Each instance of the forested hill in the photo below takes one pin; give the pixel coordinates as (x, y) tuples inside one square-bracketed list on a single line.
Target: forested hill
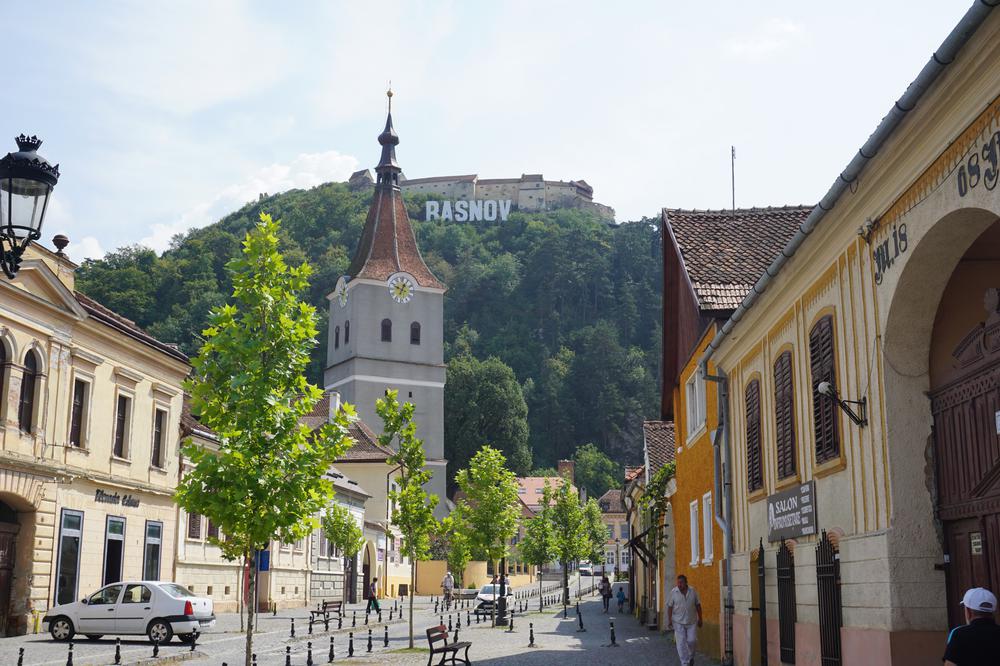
[(569, 303)]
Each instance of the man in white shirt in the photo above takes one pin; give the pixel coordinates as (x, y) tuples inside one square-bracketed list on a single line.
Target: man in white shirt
[(683, 615), (448, 584)]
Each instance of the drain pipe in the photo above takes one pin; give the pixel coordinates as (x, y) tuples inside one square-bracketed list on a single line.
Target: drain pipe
[(723, 506)]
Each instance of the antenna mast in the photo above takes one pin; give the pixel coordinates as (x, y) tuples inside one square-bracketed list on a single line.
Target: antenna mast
[(732, 170)]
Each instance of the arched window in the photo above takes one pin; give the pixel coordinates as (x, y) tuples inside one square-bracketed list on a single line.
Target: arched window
[(821, 365), (336, 337), (26, 408), (415, 333), (784, 415), (755, 467), (347, 332), (386, 330)]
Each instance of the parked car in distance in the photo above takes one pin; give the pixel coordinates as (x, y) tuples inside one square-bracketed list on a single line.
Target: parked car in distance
[(488, 595), (157, 609), (586, 571)]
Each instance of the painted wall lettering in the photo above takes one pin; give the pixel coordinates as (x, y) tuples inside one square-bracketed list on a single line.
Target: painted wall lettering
[(476, 210), (980, 167), (885, 253)]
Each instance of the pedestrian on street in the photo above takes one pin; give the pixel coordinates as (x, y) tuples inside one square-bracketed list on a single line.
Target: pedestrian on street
[(373, 597), (977, 642), (604, 587), (447, 585), (684, 616), (621, 598)]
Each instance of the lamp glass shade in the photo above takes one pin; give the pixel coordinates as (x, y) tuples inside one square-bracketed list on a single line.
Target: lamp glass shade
[(23, 202)]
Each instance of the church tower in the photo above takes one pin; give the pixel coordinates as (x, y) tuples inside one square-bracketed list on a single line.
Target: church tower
[(387, 319)]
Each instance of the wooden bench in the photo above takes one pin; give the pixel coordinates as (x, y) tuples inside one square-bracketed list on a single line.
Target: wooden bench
[(439, 634), (326, 609)]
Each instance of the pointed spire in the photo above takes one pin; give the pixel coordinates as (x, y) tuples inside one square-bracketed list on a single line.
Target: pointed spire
[(388, 170)]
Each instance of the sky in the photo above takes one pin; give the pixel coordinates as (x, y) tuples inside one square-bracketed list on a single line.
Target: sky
[(165, 116)]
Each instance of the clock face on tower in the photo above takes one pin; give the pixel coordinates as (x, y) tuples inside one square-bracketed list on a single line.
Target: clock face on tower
[(340, 293), (401, 287)]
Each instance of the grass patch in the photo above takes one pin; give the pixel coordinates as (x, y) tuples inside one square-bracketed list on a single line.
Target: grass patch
[(413, 650)]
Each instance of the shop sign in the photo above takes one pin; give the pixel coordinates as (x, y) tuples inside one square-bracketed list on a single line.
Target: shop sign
[(114, 498), (792, 513), (488, 210)]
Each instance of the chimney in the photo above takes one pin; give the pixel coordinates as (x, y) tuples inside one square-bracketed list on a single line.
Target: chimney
[(334, 404), (566, 469)]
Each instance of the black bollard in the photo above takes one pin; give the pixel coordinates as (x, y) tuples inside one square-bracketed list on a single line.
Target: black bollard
[(253, 659), (579, 618), (531, 634), (309, 654), (380, 616), (614, 643), (69, 655), (385, 637), (367, 614), (454, 638), (467, 622), (292, 634), (118, 650), (441, 620), (340, 621), (350, 644), (156, 648), (274, 609), (391, 612), (326, 622), (369, 640), (477, 616), (310, 624), (20, 656), (194, 640), (288, 655), (510, 627), (354, 618), (435, 607), (564, 611), (331, 657), (449, 622), (458, 621), (395, 605)]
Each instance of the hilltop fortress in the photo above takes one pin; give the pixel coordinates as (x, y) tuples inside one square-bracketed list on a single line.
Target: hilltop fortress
[(471, 198)]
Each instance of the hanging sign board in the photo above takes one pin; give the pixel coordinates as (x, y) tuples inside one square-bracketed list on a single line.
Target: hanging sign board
[(792, 513)]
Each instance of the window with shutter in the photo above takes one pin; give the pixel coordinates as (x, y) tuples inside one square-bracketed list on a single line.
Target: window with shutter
[(821, 364), (194, 526), (755, 471), (784, 415), (26, 405), (213, 530)]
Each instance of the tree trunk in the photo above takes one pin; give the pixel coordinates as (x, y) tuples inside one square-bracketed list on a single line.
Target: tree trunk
[(252, 597), (413, 588), (565, 583), (240, 599), (540, 607), (496, 600)]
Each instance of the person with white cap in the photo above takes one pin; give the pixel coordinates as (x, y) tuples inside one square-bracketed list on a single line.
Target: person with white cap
[(977, 642), (448, 584)]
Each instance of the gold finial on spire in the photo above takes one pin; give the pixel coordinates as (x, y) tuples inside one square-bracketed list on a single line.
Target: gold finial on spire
[(388, 93)]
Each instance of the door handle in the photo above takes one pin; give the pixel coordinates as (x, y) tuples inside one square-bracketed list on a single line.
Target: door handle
[(147, 608), (111, 610)]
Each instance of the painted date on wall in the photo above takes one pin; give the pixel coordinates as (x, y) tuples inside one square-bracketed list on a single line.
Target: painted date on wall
[(980, 167)]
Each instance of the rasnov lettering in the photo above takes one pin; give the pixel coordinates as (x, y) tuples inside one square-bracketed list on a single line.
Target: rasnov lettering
[(486, 210)]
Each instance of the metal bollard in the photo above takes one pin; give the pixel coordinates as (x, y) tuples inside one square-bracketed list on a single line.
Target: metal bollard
[(156, 648), (310, 625), (288, 655), (435, 607), (467, 622), (510, 627), (354, 618), (458, 621), (367, 615), (309, 654), (369, 640), (579, 618), (441, 620), (391, 612), (614, 643), (531, 634), (194, 640), (274, 609), (340, 621), (564, 611), (332, 655), (118, 650), (292, 634), (20, 656), (350, 644), (326, 622), (380, 616), (454, 638), (253, 659), (477, 616), (385, 637)]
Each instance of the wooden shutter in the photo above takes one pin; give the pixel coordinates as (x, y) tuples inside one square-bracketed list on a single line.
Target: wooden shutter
[(76, 416), (755, 472), (821, 363), (784, 415), (26, 406), (194, 526)]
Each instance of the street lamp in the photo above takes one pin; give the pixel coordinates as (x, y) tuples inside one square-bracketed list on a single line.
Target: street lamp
[(618, 554), (26, 182)]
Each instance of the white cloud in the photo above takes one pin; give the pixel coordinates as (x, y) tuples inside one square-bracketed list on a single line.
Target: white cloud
[(770, 37), (87, 247), (305, 171)]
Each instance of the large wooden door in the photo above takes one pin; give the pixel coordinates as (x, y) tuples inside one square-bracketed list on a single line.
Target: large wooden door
[(8, 549), (966, 409)]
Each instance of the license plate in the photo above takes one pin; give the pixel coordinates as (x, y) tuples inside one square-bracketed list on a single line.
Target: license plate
[(207, 623)]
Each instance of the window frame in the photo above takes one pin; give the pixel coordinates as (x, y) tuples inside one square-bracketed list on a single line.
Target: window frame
[(59, 554), (336, 337), (23, 395), (347, 331), (161, 464), (695, 413), (707, 545), (192, 520), (785, 438), (126, 455), (753, 437), (84, 431), (415, 331), (694, 520), (108, 537), (146, 543), (828, 449), (386, 333)]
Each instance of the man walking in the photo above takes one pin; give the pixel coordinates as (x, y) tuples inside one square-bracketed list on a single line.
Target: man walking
[(683, 616), (977, 642), (373, 597), (447, 585)]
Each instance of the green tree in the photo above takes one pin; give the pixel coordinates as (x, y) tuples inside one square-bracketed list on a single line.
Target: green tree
[(413, 512), (594, 471), (570, 531), (594, 530), (484, 405), (267, 480), (538, 547), (343, 531), (491, 505), (453, 538)]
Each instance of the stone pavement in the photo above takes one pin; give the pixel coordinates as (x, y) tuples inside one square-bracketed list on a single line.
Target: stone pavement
[(555, 639)]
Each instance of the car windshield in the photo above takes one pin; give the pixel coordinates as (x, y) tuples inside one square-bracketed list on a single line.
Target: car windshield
[(176, 591), (490, 589)]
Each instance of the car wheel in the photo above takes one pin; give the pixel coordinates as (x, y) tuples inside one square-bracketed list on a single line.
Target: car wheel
[(61, 629), (95, 637), (160, 631)]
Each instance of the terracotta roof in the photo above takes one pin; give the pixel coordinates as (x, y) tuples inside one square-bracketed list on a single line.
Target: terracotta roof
[(633, 473), (659, 442), (611, 501), (190, 425), (114, 320), (387, 242), (366, 447), (530, 488), (342, 482), (725, 252)]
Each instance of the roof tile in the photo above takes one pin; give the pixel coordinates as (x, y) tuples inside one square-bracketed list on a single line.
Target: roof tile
[(659, 437)]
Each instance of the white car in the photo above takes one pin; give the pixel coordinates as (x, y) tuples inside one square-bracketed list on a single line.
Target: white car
[(488, 595), (154, 608)]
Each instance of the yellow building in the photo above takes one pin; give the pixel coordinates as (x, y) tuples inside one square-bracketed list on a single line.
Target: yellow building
[(616, 551), (88, 443), (863, 379)]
